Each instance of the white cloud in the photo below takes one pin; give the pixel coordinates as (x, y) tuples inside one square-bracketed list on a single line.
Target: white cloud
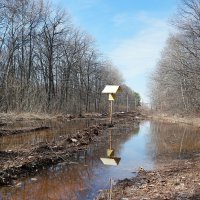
[(121, 19), (139, 53), (137, 56)]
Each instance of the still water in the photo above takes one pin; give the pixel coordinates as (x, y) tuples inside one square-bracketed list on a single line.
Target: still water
[(142, 146), (58, 128)]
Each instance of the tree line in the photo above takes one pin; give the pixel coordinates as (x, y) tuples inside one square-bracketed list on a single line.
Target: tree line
[(47, 64), (175, 83)]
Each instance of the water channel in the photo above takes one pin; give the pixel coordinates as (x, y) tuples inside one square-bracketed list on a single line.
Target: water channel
[(144, 145)]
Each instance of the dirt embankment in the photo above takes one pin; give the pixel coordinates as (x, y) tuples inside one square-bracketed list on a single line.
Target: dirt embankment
[(29, 160), (30, 122), (8, 131), (178, 180)]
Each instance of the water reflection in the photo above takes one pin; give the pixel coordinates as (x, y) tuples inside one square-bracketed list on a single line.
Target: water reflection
[(110, 158), (172, 140), (57, 129), (142, 146)]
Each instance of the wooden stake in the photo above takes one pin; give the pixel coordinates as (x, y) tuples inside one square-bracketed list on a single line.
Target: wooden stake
[(127, 106), (110, 192), (111, 110), (110, 139)]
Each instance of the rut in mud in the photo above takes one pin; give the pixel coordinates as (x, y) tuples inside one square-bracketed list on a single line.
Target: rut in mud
[(7, 131)]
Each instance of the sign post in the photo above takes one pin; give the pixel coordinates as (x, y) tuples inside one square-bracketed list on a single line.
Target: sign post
[(111, 90), (111, 110)]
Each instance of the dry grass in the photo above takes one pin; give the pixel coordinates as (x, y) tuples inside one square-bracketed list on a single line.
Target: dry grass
[(10, 117), (177, 119)]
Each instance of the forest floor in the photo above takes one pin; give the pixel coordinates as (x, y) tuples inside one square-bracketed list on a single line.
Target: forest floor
[(28, 159)]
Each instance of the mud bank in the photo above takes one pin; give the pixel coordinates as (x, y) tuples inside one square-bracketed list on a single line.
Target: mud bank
[(31, 159), (178, 180), (7, 131)]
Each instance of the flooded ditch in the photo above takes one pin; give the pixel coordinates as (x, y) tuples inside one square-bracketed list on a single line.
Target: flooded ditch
[(145, 144), (56, 130)]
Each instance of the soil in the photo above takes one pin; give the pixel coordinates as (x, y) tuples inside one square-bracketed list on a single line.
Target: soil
[(30, 160), (180, 179)]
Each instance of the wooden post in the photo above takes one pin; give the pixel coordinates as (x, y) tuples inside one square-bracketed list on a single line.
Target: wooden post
[(111, 110), (135, 103), (85, 155), (110, 192), (110, 139), (127, 103)]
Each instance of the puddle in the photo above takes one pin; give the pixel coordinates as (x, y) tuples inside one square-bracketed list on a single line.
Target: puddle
[(144, 146), (56, 130)]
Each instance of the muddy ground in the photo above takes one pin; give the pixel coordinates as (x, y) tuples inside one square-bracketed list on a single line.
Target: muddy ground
[(31, 159), (13, 131), (179, 179)]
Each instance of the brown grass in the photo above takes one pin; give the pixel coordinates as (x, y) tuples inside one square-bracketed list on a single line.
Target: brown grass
[(11, 116), (194, 121)]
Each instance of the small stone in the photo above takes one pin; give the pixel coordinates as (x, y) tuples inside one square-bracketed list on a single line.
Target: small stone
[(19, 184), (74, 140), (151, 185), (33, 179)]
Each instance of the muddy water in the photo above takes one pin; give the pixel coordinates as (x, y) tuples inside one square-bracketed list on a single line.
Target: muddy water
[(145, 145), (56, 130)]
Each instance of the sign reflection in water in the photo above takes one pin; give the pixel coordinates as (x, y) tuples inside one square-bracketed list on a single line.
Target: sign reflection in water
[(111, 159)]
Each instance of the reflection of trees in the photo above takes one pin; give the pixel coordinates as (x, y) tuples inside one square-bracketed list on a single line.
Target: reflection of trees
[(58, 129), (74, 181), (119, 136), (173, 140), (58, 183)]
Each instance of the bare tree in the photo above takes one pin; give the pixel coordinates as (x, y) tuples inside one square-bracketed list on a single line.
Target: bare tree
[(48, 65)]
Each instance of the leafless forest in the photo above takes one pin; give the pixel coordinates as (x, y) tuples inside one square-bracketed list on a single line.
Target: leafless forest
[(49, 65), (175, 84)]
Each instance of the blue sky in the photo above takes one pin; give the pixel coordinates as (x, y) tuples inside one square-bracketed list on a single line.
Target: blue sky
[(131, 33)]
